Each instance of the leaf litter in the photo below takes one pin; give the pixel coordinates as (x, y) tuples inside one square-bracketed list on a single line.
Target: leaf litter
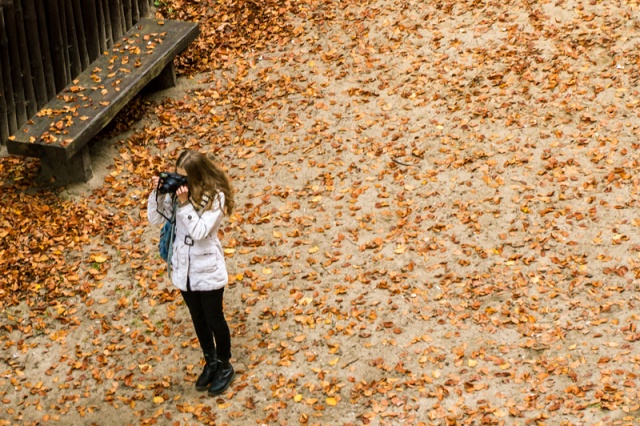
[(437, 210)]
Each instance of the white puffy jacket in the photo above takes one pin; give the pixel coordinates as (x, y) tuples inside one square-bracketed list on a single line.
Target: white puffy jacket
[(197, 252)]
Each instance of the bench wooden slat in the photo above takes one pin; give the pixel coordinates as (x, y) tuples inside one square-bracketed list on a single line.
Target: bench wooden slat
[(91, 101)]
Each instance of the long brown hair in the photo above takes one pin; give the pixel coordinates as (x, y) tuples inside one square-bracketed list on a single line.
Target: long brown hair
[(205, 178)]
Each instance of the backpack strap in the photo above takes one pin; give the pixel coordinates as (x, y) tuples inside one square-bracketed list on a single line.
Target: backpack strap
[(172, 235)]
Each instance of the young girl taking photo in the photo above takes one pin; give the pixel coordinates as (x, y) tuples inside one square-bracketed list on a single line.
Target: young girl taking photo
[(197, 263)]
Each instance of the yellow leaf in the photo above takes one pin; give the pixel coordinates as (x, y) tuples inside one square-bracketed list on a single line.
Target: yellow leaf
[(158, 399), (316, 199), (229, 250), (314, 249), (435, 374), (297, 398), (57, 335), (472, 363), (99, 259), (277, 234), (400, 249), (145, 368), (332, 401), (334, 361), (267, 271)]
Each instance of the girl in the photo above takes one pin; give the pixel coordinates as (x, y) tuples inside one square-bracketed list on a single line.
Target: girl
[(198, 267)]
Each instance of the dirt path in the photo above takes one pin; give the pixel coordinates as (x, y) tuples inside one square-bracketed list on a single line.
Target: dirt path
[(437, 222)]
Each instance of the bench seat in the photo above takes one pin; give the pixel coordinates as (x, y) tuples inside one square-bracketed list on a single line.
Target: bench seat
[(60, 132)]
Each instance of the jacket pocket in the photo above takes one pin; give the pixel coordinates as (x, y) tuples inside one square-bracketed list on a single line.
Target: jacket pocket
[(204, 262)]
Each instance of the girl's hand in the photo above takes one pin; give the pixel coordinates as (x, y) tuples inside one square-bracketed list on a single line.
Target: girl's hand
[(154, 182), (183, 194)]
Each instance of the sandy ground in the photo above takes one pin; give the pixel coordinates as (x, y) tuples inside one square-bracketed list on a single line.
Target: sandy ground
[(437, 224)]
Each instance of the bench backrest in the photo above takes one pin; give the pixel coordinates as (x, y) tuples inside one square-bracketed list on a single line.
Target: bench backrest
[(44, 45)]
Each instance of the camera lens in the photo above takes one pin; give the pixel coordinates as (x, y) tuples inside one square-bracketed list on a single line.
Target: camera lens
[(170, 182)]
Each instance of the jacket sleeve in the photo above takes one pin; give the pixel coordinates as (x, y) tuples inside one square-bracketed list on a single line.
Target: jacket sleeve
[(153, 215), (200, 227)]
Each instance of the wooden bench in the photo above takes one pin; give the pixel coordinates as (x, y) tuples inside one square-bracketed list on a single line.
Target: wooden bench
[(60, 132)]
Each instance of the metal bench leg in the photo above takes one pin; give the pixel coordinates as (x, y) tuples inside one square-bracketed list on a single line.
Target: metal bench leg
[(77, 169)]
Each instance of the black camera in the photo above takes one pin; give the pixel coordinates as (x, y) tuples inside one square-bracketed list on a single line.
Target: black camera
[(170, 182)]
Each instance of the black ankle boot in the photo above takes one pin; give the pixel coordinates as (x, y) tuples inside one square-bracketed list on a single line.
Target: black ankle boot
[(223, 377), (208, 373)]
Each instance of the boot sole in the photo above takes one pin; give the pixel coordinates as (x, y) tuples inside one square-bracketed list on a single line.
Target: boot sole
[(221, 391)]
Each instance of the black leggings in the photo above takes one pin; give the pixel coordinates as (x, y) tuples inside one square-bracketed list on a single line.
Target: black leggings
[(205, 308)]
